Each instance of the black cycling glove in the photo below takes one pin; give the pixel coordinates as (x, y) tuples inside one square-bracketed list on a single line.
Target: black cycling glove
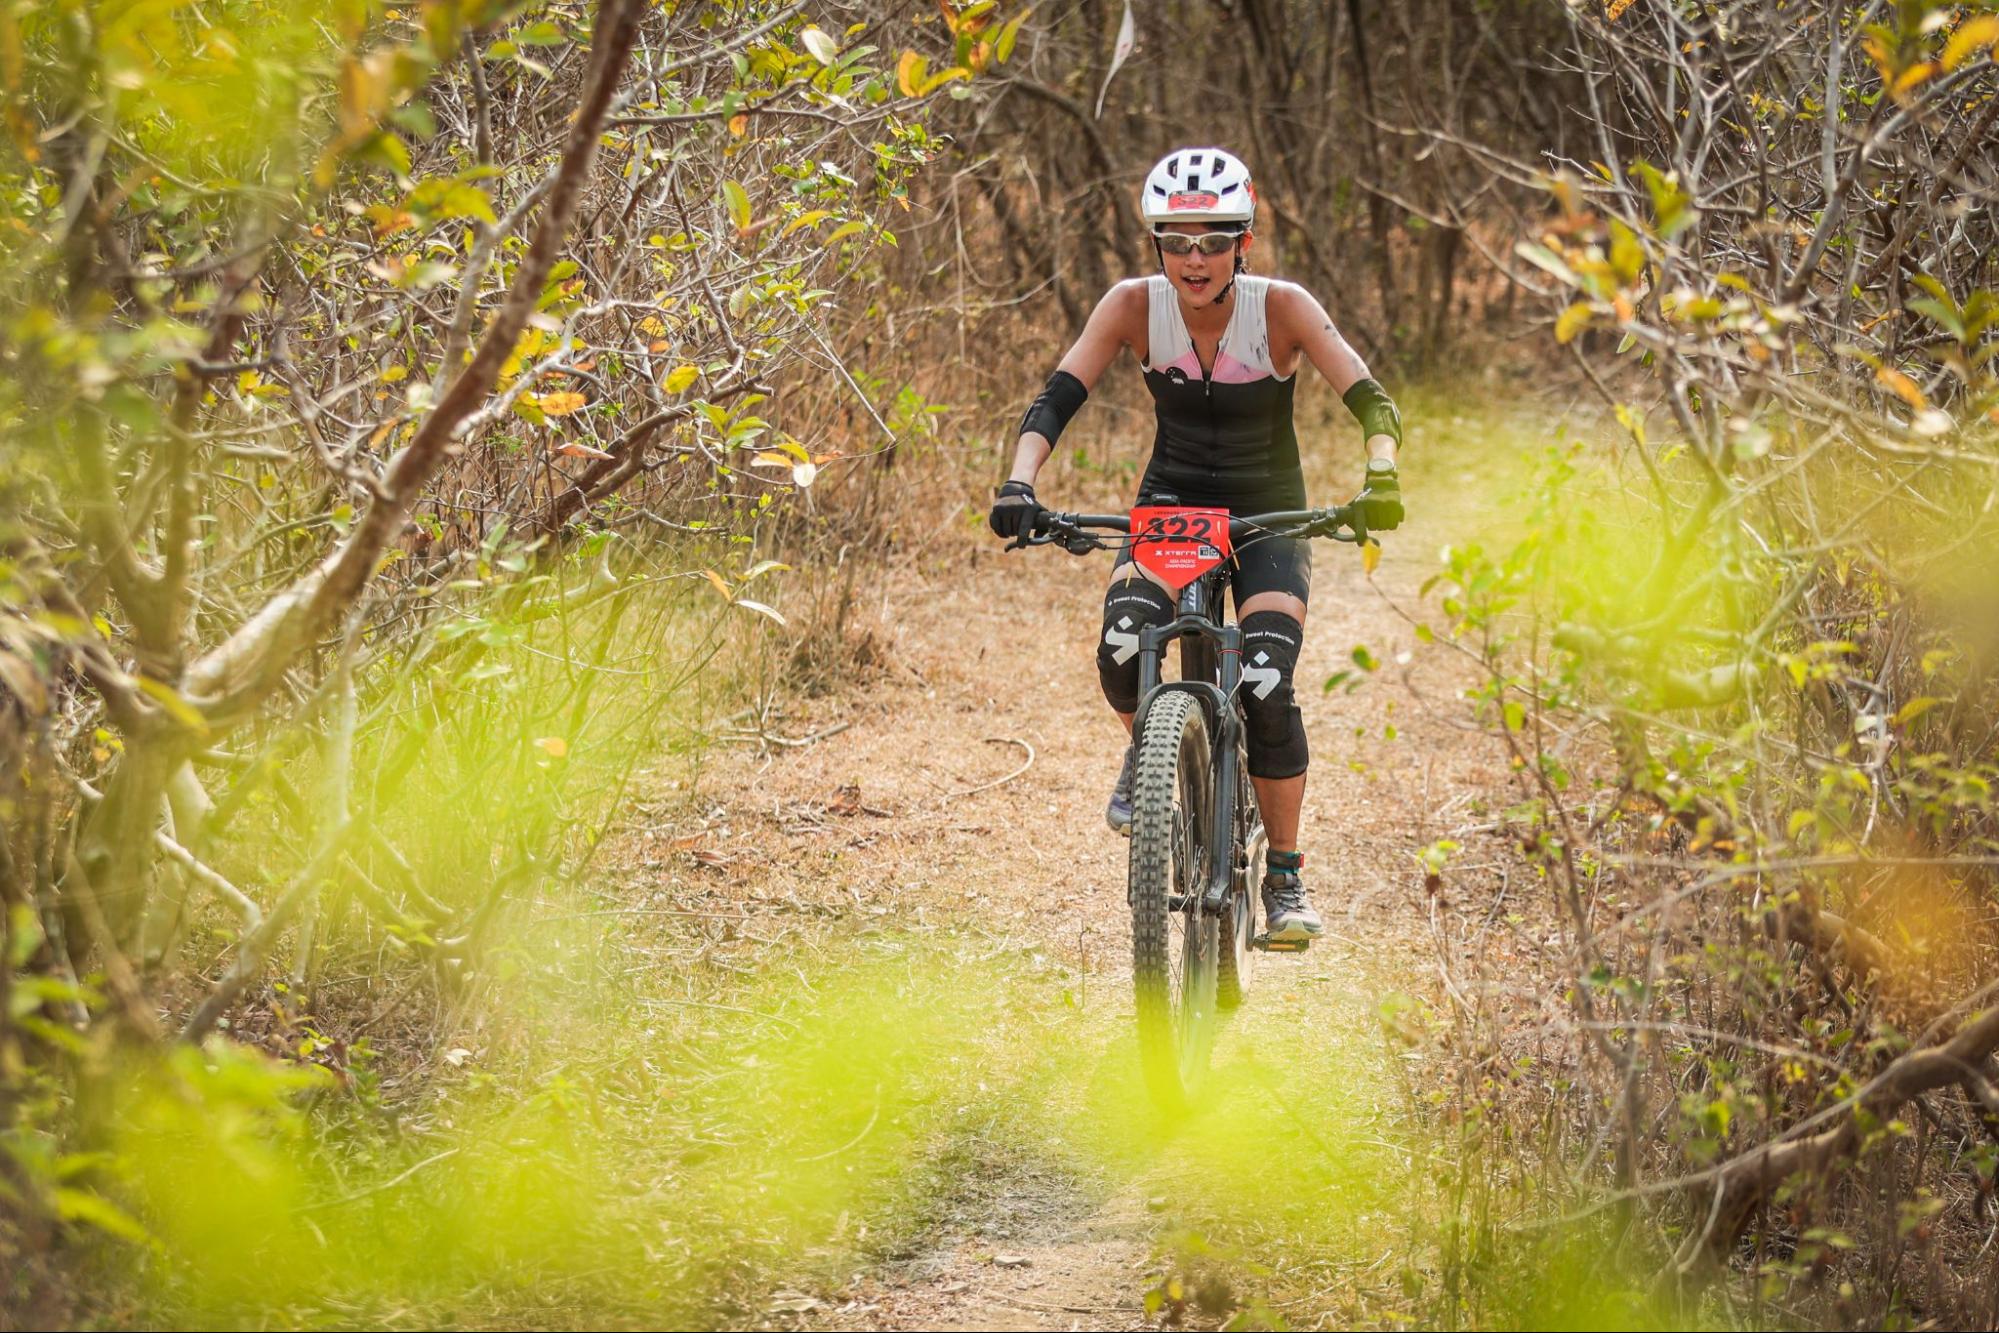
[(1015, 511), (1381, 500)]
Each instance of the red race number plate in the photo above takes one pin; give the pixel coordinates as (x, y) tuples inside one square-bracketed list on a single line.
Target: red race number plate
[(1177, 546)]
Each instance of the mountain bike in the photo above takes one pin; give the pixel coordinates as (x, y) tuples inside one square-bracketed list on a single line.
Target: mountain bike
[(1197, 840)]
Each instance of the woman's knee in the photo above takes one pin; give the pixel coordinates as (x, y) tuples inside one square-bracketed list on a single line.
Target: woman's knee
[(1283, 603), (1130, 604), (1274, 728)]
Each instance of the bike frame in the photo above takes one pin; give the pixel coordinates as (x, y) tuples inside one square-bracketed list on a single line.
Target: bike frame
[(1211, 658)]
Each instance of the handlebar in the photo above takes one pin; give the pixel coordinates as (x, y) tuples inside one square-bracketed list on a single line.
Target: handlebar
[(1079, 533)]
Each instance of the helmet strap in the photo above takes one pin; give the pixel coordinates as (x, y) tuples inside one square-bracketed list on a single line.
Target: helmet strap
[(1230, 287)]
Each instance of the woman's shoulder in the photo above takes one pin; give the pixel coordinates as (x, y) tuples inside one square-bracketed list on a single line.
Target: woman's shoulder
[(1128, 300), (1285, 302), (1133, 291), (1278, 292)]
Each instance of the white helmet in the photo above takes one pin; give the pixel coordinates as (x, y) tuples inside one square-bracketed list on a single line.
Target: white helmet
[(1199, 185)]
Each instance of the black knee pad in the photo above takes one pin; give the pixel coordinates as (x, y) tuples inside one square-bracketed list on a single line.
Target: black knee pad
[(1130, 604), (1276, 730)]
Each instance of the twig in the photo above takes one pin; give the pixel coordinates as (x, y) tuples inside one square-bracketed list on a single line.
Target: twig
[(725, 1008), (388, 1184), (1000, 781), (866, 1129), (252, 914)]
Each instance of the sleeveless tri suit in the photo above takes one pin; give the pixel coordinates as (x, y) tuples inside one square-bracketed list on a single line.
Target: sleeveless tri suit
[(1225, 437)]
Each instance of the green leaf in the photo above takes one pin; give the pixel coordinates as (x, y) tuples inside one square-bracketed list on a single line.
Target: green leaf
[(1541, 257), (1945, 316), (935, 82), (1915, 708), (1515, 715), (1572, 321), (1670, 204), (737, 202), (177, 708), (387, 150), (444, 198), (1008, 35), (74, 1205), (25, 936)]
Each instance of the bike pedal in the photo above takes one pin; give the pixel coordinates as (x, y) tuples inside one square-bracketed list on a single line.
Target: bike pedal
[(1268, 945)]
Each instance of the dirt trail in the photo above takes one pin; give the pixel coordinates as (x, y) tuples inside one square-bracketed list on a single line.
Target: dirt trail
[(898, 813)]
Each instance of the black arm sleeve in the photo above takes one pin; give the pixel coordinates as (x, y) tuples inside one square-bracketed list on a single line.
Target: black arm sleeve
[(1374, 409), (1058, 401)]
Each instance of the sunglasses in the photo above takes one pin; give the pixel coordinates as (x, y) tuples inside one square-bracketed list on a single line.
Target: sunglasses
[(1208, 242)]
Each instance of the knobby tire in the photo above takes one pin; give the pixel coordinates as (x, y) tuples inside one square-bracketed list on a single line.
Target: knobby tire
[(1173, 952)]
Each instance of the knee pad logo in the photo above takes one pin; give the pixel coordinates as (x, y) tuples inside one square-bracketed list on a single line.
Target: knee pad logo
[(1122, 639), (1262, 675)]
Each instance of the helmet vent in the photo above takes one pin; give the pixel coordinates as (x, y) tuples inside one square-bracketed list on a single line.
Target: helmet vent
[(1199, 185)]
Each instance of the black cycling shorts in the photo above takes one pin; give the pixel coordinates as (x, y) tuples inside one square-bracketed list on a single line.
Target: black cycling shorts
[(1259, 564)]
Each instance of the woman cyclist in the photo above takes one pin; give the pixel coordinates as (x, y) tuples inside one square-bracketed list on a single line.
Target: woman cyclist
[(1220, 352)]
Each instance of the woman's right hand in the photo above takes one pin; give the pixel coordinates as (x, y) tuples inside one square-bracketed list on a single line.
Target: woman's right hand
[(1014, 511)]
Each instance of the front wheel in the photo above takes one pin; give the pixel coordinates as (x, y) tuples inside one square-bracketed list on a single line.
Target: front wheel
[(1174, 944)]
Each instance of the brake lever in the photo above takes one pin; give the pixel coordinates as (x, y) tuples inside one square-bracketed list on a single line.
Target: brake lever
[(1036, 535)]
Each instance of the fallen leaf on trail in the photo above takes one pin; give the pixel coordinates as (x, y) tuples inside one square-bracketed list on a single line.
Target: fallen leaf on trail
[(1011, 1260), (1904, 388), (457, 1056), (847, 801)]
